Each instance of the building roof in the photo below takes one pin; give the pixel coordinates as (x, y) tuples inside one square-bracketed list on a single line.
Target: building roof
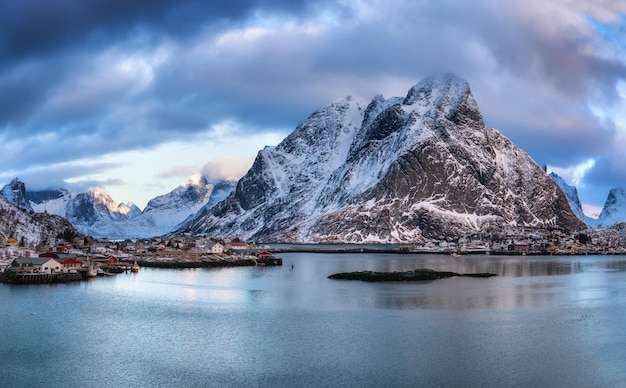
[(33, 260), (59, 255)]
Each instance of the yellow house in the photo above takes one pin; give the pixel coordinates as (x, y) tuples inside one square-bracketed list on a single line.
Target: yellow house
[(12, 242)]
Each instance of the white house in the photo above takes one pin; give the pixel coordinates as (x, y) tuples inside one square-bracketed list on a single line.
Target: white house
[(216, 248), (238, 246), (36, 264), (99, 248)]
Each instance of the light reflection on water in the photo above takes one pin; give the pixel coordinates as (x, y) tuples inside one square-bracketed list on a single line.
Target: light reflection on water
[(543, 321), (521, 281)]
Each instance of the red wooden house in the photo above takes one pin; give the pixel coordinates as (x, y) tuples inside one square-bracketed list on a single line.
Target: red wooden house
[(113, 260), (66, 260), (264, 255)]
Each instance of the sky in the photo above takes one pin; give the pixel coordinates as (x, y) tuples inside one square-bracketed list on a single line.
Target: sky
[(136, 96)]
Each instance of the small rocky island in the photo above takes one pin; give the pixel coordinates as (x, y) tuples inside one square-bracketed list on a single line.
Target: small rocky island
[(421, 274)]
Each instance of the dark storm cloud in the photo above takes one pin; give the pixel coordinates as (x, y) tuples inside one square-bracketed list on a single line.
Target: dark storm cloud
[(45, 41), (59, 81), (31, 28), (53, 177), (22, 91)]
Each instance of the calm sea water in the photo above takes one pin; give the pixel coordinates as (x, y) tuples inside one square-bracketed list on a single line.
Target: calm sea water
[(545, 321)]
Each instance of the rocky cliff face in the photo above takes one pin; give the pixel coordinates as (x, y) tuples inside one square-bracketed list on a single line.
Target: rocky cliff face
[(31, 229), (15, 192), (397, 170), (571, 193)]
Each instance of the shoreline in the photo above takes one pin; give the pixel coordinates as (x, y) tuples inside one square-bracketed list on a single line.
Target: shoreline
[(390, 249), (205, 261), (202, 263)]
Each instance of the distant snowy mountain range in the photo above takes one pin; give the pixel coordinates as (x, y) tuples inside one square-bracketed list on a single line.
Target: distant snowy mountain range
[(95, 213)]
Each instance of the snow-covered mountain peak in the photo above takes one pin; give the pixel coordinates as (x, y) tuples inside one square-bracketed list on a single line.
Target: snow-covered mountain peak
[(15, 193), (129, 209), (95, 213), (102, 198), (443, 91), (614, 210), (194, 180), (616, 195), (402, 169), (329, 130), (193, 190), (329, 122), (440, 107), (98, 192), (53, 201)]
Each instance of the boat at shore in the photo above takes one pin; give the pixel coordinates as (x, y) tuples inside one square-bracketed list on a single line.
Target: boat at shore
[(135, 267)]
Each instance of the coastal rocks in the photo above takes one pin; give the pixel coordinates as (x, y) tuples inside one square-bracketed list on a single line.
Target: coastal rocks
[(421, 274)]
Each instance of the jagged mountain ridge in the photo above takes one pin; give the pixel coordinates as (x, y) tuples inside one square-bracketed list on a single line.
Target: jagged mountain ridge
[(165, 212), (614, 209), (95, 213), (613, 212), (398, 170), (86, 209)]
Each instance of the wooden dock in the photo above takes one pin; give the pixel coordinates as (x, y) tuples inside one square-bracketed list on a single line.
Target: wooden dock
[(39, 278)]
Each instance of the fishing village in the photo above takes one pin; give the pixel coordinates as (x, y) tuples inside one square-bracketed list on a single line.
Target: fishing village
[(67, 263), (85, 258)]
